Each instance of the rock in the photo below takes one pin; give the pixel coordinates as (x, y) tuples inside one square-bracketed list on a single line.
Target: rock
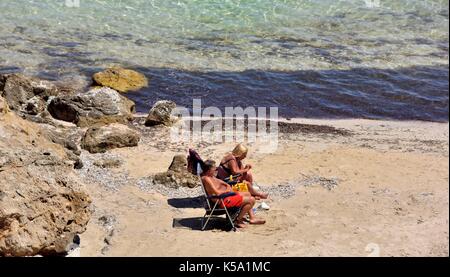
[(74, 249), (108, 162), (68, 137), (19, 89), (4, 109), (2, 83), (177, 175), (179, 163), (34, 106), (161, 114), (98, 106), (44, 88), (42, 204), (121, 79), (101, 139), (78, 164)]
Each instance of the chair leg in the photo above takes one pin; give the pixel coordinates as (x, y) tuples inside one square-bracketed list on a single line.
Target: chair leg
[(230, 219), (210, 215), (203, 221)]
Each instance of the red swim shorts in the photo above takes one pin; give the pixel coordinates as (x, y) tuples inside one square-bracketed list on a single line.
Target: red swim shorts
[(232, 201)]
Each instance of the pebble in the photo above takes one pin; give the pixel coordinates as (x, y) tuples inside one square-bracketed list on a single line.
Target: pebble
[(104, 176), (113, 181)]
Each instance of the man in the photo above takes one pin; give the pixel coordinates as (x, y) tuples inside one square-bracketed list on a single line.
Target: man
[(215, 186)]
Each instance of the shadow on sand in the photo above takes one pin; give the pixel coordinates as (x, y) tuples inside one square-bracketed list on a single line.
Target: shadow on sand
[(187, 203), (195, 223)]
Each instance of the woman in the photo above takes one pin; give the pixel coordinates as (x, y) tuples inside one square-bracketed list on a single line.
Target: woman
[(232, 164)]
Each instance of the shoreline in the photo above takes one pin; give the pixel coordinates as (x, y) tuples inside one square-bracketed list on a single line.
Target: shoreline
[(316, 121)]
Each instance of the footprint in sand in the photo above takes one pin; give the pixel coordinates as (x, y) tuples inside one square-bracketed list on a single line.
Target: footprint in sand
[(289, 244), (276, 221)]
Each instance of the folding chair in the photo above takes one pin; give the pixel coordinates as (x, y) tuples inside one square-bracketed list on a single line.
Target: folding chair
[(212, 209)]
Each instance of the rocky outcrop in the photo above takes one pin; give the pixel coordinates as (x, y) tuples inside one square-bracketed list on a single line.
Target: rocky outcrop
[(177, 175), (161, 114), (101, 139), (98, 106), (25, 94), (3, 106), (121, 79), (68, 137), (179, 164), (42, 204), (35, 106), (2, 82)]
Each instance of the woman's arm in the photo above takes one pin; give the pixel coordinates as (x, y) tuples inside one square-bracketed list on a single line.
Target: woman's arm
[(235, 169)]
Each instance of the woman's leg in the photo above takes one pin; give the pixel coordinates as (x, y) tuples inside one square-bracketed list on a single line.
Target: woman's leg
[(254, 220), (249, 178)]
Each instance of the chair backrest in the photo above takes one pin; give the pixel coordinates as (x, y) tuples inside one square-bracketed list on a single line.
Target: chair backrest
[(195, 162)]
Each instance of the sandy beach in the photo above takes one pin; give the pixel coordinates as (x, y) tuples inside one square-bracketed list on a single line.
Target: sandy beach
[(380, 191)]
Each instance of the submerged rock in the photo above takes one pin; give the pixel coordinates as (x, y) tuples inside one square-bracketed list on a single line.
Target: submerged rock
[(177, 175), (161, 114), (98, 106), (121, 79), (42, 204), (101, 139)]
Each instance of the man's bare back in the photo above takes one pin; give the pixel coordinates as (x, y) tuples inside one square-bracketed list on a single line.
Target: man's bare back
[(215, 186)]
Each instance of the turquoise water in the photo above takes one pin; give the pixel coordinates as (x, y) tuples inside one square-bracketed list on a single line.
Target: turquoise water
[(323, 58)]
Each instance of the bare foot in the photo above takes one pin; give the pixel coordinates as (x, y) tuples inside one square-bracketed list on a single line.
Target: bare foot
[(257, 221), (263, 195), (240, 224)]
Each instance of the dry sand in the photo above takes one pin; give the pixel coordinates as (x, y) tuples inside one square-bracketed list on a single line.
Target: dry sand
[(391, 198)]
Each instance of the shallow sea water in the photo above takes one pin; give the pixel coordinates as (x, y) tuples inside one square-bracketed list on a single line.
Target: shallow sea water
[(321, 59)]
